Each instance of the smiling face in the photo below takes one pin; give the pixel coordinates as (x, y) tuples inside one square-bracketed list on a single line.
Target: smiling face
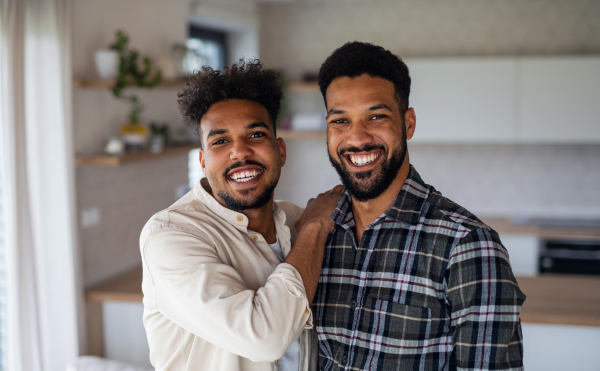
[(241, 157), (366, 134)]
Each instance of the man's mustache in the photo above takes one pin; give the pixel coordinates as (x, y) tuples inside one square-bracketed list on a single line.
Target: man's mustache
[(364, 148), (245, 163)]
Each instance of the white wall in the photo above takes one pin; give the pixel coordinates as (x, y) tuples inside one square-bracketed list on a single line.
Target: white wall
[(297, 36), (487, 179), (153, 26)]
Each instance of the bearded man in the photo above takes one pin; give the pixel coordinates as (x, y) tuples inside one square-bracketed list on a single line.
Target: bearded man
[(410, 280), (222, 290)]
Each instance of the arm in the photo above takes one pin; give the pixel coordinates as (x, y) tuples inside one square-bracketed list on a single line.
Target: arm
[(194, 289), (486, 302), (313, 227)]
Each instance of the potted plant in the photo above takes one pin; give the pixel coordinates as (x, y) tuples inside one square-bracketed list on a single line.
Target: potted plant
[(134, 132)]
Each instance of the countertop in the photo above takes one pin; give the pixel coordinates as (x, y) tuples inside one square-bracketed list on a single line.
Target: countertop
[(551, 298), (506, 226)]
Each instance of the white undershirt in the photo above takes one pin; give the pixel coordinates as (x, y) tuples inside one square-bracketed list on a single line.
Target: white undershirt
[(291, 359)]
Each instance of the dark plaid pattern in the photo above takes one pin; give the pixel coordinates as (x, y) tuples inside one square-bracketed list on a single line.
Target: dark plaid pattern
[(429, 287)]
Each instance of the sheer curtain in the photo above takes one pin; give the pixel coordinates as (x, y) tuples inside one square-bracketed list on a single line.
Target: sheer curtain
[(42, 296)]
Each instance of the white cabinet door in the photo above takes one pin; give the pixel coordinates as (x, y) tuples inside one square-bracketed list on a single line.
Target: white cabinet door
[(560, 100), (464, 100), (560, 348), (523, 253)]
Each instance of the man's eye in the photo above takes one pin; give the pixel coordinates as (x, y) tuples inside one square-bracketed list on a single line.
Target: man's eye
[(220, 141), (257, 135), (377, 117), (338, 121)]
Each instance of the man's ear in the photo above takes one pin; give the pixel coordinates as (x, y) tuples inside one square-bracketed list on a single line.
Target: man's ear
[(410, 122), (201, 158), (282, 151)]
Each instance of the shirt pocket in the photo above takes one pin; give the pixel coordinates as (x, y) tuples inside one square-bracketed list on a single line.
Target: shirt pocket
[(396, 329)]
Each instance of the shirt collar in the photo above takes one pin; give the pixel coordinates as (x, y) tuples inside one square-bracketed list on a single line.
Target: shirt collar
[(235, 218), (406, 207)]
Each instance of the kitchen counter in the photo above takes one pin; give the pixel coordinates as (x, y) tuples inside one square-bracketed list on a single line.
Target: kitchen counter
[(506, 226), (551, 299)]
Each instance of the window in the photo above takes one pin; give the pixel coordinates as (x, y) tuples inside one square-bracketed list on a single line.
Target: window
[(205, 48)]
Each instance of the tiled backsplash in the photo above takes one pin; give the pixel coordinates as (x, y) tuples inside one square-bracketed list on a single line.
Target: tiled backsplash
[(126, 197), (489, 180)]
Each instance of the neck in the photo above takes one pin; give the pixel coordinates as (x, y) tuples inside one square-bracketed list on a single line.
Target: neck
[(259, 220), (366, 212)]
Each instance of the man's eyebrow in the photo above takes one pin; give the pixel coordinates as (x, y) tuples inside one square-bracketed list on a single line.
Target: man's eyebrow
[(259, 124), (379, 106), (216, 132), (334, 111)]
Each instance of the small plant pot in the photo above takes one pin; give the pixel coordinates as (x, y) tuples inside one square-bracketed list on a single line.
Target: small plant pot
[(107, 64)]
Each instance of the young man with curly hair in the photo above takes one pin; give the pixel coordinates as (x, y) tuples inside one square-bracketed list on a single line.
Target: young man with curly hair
[(223, 287), (410, 280)]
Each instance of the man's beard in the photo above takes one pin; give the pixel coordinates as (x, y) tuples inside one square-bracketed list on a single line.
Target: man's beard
[(375, 183), (254, 202)]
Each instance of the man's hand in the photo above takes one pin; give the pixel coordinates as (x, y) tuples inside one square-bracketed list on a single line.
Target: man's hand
[(318, 210)]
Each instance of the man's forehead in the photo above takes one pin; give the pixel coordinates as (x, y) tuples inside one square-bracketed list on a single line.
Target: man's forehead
[(366, 89), (233, 115)]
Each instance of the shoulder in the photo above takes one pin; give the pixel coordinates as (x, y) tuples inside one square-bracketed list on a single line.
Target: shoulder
[(449, 212), (186, 216), (292, 211)]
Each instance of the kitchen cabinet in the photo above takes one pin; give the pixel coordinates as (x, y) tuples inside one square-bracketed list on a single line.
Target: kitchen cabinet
[(464, 100), (559, 100), (501, 100), (523, 252)]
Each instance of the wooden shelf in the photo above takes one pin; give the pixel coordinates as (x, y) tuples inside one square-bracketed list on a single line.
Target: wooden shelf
[(127, 287), (296, 134), (115, 161), (303, 86), (107, 84)]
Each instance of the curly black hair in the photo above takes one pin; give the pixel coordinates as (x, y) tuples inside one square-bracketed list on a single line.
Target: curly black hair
[(358, 58), (243, 80)]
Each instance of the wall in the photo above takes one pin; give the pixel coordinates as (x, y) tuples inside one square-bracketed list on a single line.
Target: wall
[(126, 197), (298, 36), (153, 26), (543, 180), (488, 180)]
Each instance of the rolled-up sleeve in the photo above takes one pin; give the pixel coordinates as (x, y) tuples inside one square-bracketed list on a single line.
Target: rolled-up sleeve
[(197, 291), (486, 302)]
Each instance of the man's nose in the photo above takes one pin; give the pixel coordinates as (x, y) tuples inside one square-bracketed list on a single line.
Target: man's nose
[(358, 134), (240, 151)]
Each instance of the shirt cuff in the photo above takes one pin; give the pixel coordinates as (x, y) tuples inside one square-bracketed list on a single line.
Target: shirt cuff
[(294, 285)]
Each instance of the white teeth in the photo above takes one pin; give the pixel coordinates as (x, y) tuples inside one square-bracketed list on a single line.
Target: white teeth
[(360, 160), (244, 175)]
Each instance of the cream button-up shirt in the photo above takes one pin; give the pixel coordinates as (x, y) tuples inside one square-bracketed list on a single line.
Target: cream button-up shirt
[(215, 295)]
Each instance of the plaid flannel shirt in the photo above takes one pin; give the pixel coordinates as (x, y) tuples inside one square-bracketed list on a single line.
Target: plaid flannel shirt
[(429, 287)]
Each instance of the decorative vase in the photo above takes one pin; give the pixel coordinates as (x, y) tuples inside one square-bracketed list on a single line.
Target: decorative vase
[(107, 64)]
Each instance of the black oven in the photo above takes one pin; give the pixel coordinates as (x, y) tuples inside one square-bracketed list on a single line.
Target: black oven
[(570, 257)]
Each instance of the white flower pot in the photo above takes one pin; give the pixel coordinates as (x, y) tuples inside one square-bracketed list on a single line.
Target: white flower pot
[(107, 64)]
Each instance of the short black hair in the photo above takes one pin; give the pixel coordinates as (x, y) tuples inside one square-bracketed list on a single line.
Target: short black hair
[(243, 80), (356, 58)]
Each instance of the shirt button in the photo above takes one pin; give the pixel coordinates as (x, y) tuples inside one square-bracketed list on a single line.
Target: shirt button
[(344, 359), (239, 218), (353, 304), (254, 238), (306, 311)]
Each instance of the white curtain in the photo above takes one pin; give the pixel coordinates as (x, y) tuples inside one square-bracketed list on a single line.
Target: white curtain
[(38, 185)]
